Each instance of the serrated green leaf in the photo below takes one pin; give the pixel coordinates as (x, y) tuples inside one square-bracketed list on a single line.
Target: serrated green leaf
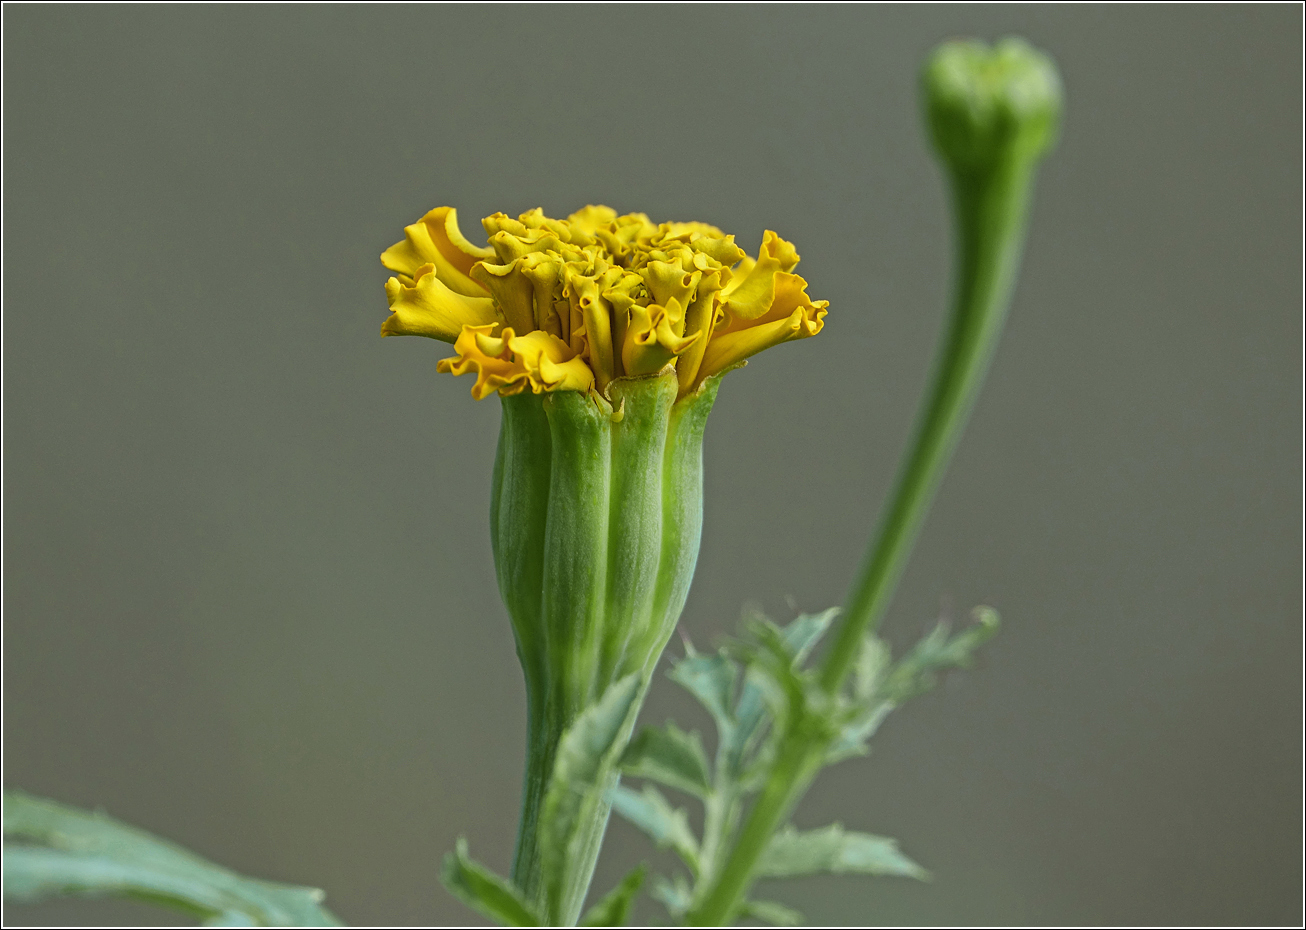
[(671, 756), (613, 909), (833, 849), (667, 826), (582, 773), (711, 679), (674, 895), (483, 891), (773, 912), (62, 850), (915, 672), (803, 632), (851, 742)]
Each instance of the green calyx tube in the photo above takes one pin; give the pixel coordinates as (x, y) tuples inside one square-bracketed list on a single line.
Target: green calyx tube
[(595, 521)]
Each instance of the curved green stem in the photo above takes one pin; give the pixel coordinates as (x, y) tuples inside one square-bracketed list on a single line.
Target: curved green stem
[(992, 169), (990, 217)]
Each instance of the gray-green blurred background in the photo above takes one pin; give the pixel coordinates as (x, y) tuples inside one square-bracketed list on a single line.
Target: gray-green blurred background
[(248, 593)]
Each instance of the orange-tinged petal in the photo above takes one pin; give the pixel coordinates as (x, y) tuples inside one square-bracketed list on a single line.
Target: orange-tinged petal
[(453, 245), (489, 358), (550, 364), (727, 351), (420, 248)]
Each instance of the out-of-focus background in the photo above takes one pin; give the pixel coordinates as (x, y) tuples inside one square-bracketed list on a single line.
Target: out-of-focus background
[(248, 595)]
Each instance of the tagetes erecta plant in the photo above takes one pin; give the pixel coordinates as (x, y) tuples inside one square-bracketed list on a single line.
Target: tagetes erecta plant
[(605, 337), (571, 305)]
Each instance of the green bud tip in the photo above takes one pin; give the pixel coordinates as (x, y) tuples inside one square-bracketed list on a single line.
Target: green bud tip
[(990, 103)]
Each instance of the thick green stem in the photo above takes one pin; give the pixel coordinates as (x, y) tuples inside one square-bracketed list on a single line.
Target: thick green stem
[(990, 212), (595, 523)]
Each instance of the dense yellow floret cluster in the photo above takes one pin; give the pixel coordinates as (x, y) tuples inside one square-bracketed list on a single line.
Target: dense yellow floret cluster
[(569, 305)]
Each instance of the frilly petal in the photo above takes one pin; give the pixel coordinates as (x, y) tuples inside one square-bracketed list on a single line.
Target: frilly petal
[(512, 291), (596, 296), (701, 317), (653, 338), (436, 240), (752, 291), (726, 351), (489, 358), (550, 364), (431, 308)]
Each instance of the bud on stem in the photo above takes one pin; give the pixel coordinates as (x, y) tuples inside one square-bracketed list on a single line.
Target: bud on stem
[(993, 114)]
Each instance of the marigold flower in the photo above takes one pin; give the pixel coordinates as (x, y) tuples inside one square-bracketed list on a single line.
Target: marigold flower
[(606, 338), (570, 305)]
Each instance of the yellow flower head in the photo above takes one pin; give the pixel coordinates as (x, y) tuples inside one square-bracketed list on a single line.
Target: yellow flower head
[(569, 305)]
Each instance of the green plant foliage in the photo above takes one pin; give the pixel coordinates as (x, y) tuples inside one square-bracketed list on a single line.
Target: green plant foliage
[(52, 850), (773, 912), (583, 775), (579, 791), (760, 692), (671, 756), (483, 891), (667, 826), (613, 909), (792, 854)]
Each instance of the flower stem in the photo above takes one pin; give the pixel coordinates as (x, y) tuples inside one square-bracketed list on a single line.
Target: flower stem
[(992, 172), (990, 216)]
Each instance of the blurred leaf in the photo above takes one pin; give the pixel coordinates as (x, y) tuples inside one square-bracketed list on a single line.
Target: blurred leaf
[(803, 632), (772, 912), (586, 756), (674, 895), (483, 891), (62, 850), (833, 849), (671, 756), (667, 826), (916, 671), (711, 679), (613, 909), (851, 741)]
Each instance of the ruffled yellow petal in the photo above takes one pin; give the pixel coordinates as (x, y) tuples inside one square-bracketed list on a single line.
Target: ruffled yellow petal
[(489, 358), (721, 250), (752, 293), (436, 240), (585, 293), (550, 364), (430, 308), (594, 297), (442, 222), (729, 350), (668, 281), (687, 231), (701, 317), (592, 218), (653, 338), (512, 290), (545, 272), (790, 293)]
